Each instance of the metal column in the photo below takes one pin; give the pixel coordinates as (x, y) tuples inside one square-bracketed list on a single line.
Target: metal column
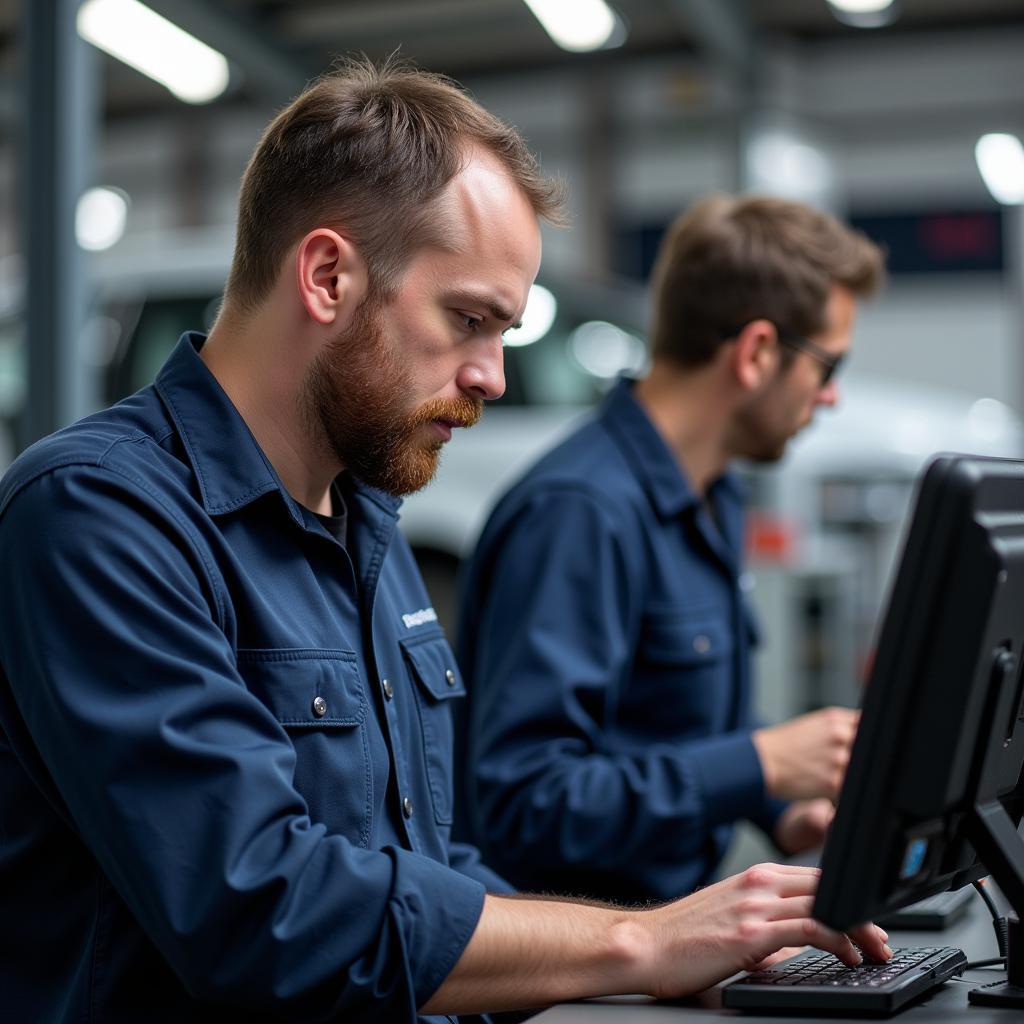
[(59, 127)]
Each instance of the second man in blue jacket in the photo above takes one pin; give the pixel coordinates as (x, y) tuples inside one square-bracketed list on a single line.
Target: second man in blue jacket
[(605, 632)]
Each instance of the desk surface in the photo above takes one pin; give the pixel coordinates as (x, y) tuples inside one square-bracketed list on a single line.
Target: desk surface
[(973, 934)]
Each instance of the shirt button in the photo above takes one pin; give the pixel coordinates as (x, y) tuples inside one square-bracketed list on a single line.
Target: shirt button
[(407, 807), (389, 690), (702, 643), (450, 676), (319, 707)]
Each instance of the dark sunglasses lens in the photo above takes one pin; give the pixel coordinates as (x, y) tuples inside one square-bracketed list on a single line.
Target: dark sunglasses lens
[(829, 371)]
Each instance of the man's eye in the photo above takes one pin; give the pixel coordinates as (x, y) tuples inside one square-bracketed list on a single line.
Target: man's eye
[(470, 322)]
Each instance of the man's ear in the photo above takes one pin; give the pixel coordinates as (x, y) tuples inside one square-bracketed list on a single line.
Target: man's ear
[(756, 354), (330, 276)]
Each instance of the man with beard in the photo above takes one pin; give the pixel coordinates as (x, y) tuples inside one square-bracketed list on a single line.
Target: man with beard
[(605, 634), (225, 754)]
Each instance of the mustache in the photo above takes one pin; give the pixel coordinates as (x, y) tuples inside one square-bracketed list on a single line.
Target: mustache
[(460, 412)]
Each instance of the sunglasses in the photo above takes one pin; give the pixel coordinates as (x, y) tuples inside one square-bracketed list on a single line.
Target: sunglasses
[(830, 363)]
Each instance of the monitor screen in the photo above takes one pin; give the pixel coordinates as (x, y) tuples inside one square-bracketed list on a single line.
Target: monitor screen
[(933, 794)]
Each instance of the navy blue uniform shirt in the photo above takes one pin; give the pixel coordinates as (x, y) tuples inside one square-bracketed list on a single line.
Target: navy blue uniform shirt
[(606, 644), (225, 750)]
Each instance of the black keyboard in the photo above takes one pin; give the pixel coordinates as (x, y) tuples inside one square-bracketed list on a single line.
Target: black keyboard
[(932, 913), (820, 983)]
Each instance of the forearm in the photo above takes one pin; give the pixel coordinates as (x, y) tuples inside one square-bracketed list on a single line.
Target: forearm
[(529, 952), (605, 810)]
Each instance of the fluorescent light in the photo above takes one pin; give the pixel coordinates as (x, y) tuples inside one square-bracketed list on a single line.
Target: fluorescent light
[(100, 218), (538, 318), (861, 6), (1001, 163), (155, 46), (864, 13), (579, 25)]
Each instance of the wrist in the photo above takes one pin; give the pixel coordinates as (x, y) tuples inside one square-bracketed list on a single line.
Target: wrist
[(782, 833), (632, 952), (761, 739)]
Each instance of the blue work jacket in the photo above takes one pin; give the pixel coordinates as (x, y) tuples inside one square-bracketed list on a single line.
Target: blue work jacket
[(225, 744), (606, 642)]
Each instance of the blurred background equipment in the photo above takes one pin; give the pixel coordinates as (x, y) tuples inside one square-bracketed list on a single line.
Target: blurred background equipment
[(119, 181)]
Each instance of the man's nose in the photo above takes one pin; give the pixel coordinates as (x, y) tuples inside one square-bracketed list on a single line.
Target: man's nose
[(828, 395), (484, 375)]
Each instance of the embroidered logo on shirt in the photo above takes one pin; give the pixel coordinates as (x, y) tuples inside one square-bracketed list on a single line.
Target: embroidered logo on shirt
[(419, 618)]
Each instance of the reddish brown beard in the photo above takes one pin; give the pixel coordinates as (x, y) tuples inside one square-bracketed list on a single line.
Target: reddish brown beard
[(355, 394)]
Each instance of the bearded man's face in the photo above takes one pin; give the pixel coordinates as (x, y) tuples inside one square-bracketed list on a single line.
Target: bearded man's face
[(358, 404)]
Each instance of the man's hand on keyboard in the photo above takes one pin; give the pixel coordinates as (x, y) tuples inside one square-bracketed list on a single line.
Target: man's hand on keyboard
[(742, 923)]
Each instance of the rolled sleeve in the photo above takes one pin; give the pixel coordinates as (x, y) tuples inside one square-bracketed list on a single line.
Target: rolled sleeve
[(437, 932), (728, 772)]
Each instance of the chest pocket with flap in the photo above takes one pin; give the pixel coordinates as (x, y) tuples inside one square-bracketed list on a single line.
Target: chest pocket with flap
[(679, 636), (318, 697), (438, 681)]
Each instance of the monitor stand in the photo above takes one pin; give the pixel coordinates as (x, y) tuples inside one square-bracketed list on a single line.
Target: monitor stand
[(1001, 850)]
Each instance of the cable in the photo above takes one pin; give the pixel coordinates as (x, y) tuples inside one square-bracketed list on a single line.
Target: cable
[(989, 902), (1000, 925), (993, 961)]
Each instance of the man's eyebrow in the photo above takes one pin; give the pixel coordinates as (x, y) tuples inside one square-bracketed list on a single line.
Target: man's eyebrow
[(501, 313), (496, 310)]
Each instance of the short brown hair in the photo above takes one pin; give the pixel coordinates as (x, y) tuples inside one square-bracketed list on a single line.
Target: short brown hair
[(729, 260), (368, 148)]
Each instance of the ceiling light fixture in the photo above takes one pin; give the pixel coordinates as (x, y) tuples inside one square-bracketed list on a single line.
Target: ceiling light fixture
[(141, 38), (579, 25), (100, 218), (864, 13), (1000, 159)]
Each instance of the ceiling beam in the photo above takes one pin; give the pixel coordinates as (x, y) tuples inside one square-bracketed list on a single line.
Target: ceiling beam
[(721, 29)]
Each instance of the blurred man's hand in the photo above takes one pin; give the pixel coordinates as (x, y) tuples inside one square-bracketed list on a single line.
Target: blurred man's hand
[(803, 825), (806, 757)]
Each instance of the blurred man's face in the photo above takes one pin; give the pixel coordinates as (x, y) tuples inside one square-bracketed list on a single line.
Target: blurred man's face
[(789, 400), (387, 393)]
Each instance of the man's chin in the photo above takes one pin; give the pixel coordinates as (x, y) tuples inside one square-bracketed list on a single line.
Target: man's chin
[(413, 475), (763, 458), (767, 455)]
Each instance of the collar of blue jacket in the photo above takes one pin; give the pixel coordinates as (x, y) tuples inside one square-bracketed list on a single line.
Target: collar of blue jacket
[(654, 463), (230, 467)]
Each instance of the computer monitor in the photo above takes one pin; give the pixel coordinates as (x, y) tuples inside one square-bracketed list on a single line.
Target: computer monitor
[(934, 791)]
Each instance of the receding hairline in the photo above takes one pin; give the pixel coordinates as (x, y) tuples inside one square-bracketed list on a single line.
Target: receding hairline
[(369, 151)]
